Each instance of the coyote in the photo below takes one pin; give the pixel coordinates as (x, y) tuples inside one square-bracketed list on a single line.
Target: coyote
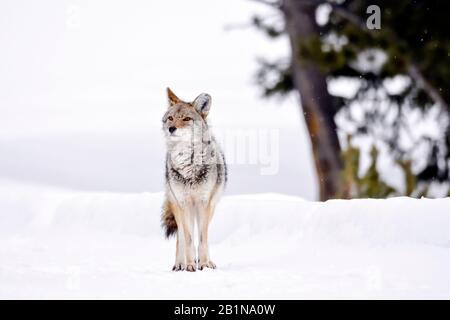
[(195, 177)]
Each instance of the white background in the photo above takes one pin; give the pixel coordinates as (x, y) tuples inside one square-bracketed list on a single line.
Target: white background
[(83, 91)]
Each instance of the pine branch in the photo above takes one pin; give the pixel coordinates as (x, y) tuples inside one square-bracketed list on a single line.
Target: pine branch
[(422, 82), (413, 69)]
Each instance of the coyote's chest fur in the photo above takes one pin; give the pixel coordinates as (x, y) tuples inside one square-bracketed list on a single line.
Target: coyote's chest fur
[(194, 165)]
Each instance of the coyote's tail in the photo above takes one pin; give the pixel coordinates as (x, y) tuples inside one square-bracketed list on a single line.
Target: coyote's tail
[(168, 220)]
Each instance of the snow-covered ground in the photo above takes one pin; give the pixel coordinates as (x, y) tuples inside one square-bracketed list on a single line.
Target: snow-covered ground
[(71, 244)]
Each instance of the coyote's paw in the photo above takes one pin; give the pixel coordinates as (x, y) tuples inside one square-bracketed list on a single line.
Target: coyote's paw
[(191, 267), (208, 264), (178, 267)]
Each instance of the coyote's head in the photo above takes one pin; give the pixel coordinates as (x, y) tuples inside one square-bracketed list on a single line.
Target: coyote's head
[(186, 121)]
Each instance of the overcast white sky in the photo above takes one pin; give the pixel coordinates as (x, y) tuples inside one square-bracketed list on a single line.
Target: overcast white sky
[(83, 91)]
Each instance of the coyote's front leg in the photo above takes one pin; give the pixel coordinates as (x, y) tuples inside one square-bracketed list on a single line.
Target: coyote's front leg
[(204, 217), (188, 228), (185, 253)]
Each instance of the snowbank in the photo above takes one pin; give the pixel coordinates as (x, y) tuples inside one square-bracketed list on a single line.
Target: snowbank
[(64, 244)]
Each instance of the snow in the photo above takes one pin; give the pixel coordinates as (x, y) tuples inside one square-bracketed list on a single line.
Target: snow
[(58, 243)]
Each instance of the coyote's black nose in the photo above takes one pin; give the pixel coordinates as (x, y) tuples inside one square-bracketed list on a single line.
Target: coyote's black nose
[(172, 129)]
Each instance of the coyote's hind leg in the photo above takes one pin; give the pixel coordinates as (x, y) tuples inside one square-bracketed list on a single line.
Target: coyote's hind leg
[(204, 217)]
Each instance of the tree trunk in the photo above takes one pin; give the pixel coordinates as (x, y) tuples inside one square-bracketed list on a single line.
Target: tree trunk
[(316, 102)]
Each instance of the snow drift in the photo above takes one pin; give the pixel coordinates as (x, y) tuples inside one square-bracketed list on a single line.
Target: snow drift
[(68, 244)]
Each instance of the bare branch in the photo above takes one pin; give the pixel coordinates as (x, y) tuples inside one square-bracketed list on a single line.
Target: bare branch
[(340, 10), (238, 26), (422, 82), (274, 4)]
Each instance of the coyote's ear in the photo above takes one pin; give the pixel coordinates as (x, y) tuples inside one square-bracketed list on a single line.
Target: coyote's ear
[(173, 99), (202, 104)]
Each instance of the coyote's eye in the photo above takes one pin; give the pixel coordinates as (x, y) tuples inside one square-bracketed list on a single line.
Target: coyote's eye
[(187, 119), (170, 118)]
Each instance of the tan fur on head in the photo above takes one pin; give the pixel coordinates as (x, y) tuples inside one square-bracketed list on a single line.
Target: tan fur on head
[(173, 99), (201, 104)]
